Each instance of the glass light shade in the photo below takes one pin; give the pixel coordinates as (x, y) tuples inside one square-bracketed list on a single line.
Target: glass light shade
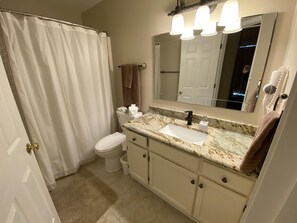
[(177, 25), (229, 12), (188, 34), (233, 27), (210, 29), (202, 17)]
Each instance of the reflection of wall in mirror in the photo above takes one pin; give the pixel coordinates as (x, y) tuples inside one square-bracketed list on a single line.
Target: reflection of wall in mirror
[(169, 63)]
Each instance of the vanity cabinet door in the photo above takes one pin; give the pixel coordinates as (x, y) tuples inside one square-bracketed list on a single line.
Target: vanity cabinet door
[(173, 183), (138, 163), (215, 203)]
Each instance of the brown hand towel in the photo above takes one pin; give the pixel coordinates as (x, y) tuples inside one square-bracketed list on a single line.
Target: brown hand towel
[(259, 147), (127, 75), (131, 84)]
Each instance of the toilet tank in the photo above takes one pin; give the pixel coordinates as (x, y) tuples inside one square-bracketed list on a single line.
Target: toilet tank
[(123, 117)]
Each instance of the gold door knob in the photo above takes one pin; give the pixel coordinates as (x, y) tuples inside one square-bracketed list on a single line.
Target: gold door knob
[(30, 147)]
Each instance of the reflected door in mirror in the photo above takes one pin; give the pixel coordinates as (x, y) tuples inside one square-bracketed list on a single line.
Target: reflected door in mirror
[(199, 66)]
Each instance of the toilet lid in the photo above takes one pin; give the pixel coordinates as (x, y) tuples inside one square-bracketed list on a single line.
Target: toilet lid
[(109, 142)]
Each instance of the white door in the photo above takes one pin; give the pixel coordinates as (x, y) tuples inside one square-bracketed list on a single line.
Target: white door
[(198, 69), (24, 196), (173, 183), (215, 203), (138, 163)]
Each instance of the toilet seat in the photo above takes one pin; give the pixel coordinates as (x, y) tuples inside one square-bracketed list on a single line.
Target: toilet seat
[(109, 142)]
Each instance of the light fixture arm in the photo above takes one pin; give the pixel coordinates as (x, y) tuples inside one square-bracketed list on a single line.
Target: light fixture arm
[(182, 7)]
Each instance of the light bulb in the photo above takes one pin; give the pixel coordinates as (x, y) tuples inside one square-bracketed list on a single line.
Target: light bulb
[(188, 34), (229, 12), (210, 29), (177, 25), (202, 17), (233, 27)]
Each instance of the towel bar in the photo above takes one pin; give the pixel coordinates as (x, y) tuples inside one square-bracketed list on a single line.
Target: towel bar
[(143, 66)]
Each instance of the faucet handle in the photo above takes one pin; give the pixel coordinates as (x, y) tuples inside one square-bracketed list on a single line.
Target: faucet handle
[(204, 118), (190, 113)]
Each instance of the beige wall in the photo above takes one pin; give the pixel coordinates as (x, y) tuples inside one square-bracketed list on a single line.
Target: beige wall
[(131, 25), (291, 54), (44, 8)]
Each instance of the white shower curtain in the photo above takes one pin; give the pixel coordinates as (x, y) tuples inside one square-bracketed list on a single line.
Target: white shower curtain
[(62, 77)]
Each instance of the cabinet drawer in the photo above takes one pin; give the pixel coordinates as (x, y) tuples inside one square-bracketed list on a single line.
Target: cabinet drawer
[(183, 159), (137, 139), (227, 178)]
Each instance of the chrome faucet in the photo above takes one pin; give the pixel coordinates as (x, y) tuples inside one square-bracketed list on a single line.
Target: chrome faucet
[(189, 117)]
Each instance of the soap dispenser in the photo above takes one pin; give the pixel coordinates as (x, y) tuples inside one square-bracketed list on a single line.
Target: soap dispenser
[(203, 124)]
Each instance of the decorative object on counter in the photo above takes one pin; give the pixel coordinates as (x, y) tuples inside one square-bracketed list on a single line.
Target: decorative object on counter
[(133, 109), (203, 124), (274, 89), (213, 122), (259, 147), (131, 84)]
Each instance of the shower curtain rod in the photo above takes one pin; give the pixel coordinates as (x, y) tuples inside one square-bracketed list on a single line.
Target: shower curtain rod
[(50, 19)]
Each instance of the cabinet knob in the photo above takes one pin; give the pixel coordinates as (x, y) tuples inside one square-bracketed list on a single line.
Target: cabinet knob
[(134, 139), (201, 185), (192, 181), (144, 155), (224, 180)]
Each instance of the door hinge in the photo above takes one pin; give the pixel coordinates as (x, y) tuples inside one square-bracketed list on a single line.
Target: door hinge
[(221, 46), (148, 179), (214, 86), (244, 208), (149, 158)]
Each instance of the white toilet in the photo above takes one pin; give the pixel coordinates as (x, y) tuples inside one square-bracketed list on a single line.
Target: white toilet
[(112, 146)]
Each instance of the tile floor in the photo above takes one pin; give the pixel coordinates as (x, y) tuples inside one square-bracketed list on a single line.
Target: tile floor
[(94, 196)]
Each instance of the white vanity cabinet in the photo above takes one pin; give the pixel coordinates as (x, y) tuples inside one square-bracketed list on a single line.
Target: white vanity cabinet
[(202, 190), (173, 183), (215, 203), (138, 157), (223, 196)]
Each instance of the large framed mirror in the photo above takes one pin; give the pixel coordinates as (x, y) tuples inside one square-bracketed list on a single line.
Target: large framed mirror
[(224, 70)]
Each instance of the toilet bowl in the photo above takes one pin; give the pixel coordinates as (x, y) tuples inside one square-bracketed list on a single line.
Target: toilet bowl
[(112, 146)]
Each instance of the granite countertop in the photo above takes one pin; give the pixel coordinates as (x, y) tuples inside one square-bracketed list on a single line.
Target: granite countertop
[(221, 146)]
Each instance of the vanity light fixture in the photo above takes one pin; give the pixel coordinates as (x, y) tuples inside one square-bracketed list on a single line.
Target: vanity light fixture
[(210, 29), (229, 18), (177, 26), (202, 17), (188, 34)]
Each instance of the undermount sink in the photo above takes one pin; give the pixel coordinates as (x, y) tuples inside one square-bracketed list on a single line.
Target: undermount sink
[(185, 134)]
